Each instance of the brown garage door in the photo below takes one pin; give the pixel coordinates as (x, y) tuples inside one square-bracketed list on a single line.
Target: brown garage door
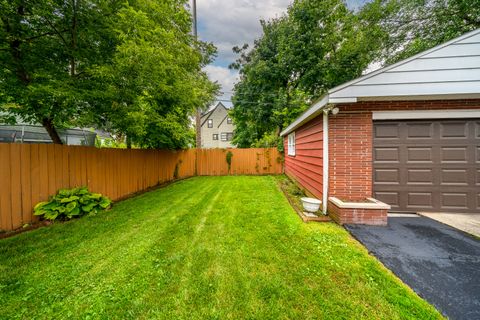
[(427, 165)]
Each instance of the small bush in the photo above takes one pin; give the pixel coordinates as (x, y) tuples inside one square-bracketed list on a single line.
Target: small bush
[(73, 203), (229, 160), (293, 189)]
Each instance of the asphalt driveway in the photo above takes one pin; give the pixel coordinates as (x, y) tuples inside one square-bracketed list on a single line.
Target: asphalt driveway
[(440, 263)]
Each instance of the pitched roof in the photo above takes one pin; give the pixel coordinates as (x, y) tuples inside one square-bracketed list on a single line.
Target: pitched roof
[(208, 113), (447, 71)]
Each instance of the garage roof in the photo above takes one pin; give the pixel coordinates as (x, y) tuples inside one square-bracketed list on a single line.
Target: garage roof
[(448, 71)]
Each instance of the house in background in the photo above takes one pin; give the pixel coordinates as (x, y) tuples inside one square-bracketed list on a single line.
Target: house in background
[(217, 128), (403, 138)]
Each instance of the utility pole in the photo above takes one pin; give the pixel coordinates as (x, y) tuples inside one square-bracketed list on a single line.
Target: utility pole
[(199, 111)]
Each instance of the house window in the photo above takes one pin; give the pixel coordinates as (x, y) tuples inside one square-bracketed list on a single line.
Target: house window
[(229, 120), (210, 123), (215, 136), (229, 136), (223, 136), (291, 144)]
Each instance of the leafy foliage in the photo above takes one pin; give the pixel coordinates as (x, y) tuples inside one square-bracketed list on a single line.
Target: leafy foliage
[(73, 203), (228, 158), (156, 82), (316, 46), (270, 141), (128, 67), (417, 25)]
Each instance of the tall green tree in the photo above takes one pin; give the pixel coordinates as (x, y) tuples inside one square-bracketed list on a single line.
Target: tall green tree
[(47, 52), (316, 46), (130, 67), (417, 25), (156, 82)]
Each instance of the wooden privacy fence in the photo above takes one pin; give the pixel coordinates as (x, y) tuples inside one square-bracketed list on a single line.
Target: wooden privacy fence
[(30, 173)]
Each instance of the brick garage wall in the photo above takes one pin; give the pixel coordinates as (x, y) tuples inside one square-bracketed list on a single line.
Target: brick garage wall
[(357, 216), (350, 142), (350, 155), (306, 167)]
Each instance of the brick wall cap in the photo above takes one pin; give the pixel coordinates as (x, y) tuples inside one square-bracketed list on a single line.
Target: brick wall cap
[(372, 204)]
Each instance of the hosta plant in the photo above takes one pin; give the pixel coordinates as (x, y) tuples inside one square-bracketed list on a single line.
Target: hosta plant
[(72, 203)]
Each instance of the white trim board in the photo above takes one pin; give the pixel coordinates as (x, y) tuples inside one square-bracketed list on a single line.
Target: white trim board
[(325, 163), (426, 114)]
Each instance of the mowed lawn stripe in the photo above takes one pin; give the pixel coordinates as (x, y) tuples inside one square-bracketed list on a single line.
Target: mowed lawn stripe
[(206, 247)]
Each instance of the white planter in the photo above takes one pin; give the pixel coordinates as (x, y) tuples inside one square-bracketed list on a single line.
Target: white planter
[(311, 204)]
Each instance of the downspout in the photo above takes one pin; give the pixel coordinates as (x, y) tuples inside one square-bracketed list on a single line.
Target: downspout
[(325, 161)]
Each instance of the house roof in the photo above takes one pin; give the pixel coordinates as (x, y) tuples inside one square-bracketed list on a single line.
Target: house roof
[(206, 115), (448, 71), (209, 111)]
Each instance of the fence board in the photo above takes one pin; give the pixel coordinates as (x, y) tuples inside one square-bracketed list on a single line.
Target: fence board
[(5, 194), (16, 188), (35, 175), (30, 173), (26, 183)]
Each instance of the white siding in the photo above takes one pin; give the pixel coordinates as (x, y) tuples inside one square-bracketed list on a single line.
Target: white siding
[(219, 116), (448, 70), (439, 64)]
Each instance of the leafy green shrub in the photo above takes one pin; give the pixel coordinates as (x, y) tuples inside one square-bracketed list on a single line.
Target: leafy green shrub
[(293, 189), (68, 204), (229, 160)]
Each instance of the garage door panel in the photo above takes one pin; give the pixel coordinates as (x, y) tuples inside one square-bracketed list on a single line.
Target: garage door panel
[(427, 165), (390, 176), (454, 154), (420, 176), (420, 200), (419, 154), (392, 198), (453, 130), (387, 154), (454, 200), (386, 131), (419, 130), (457, 177)]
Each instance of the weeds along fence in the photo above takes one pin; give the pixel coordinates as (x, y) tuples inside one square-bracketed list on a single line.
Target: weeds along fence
[(30, 173)]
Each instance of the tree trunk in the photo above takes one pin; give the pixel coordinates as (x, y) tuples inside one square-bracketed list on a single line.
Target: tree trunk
[(52, 132), (129, 142)]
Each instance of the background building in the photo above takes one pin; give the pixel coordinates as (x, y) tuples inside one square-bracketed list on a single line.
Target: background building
[(217, 128)]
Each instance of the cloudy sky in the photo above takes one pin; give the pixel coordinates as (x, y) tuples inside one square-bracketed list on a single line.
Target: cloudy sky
[(228, 23)]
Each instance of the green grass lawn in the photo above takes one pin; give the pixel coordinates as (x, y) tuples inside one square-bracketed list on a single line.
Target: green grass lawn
[(207, 247)]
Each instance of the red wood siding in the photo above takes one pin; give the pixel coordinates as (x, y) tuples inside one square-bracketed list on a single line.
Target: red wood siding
[(306, 167)]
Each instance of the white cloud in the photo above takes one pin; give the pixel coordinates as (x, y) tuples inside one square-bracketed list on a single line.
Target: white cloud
[(228, 23), (225, 77)]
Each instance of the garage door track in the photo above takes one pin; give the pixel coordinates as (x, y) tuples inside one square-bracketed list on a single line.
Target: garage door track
[(440, 263)]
